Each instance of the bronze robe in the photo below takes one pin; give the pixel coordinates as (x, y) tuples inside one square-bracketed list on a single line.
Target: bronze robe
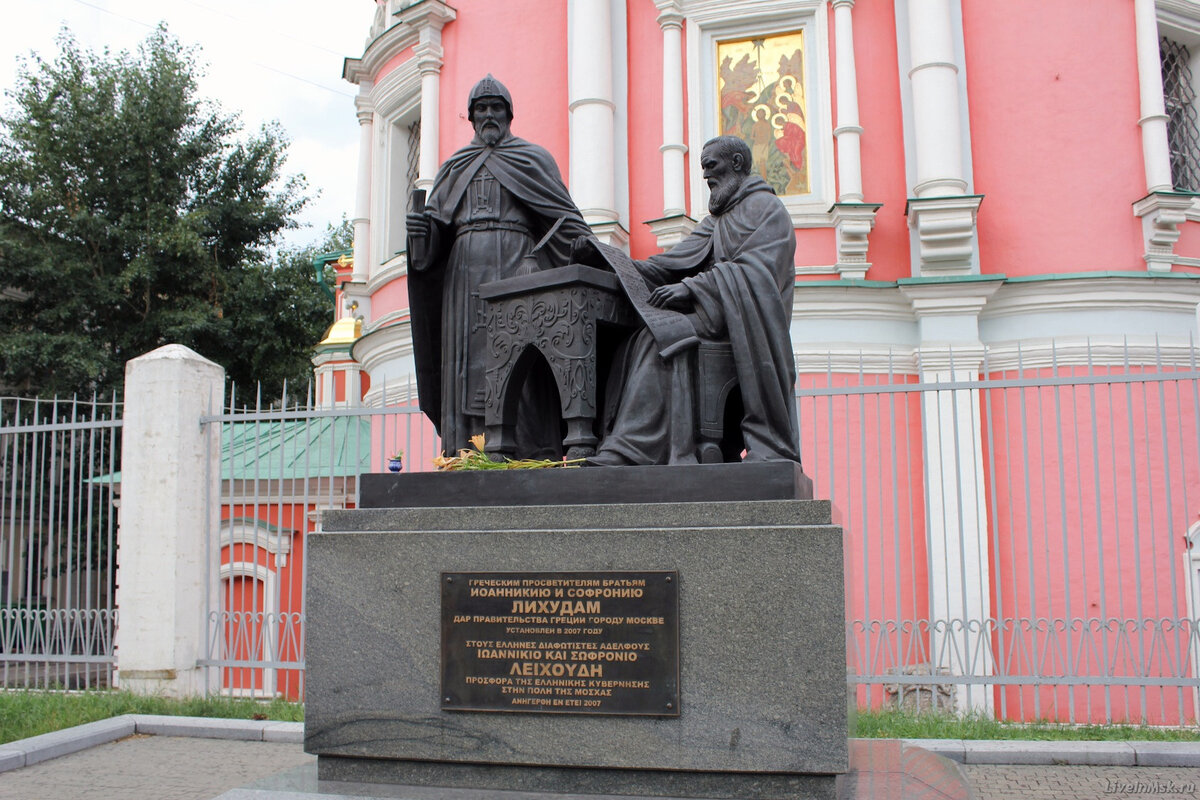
[(490, 206), (739, 264)]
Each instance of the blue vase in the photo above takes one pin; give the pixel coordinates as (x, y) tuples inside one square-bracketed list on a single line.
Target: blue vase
[(395, 464)]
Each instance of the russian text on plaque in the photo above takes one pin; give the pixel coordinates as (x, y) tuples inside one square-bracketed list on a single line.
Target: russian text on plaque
[(561, 642)]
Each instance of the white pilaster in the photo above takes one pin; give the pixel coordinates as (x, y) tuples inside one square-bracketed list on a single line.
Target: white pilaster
[(170, 493), (945, 231), (592, 116), (674, 224), (428, 19), (1161, 210), (1155, 149), (670, 19), (1162, 213), (853, 223), (957, 522), (848, 129), (940, 212), (936, 119), (362, 197)]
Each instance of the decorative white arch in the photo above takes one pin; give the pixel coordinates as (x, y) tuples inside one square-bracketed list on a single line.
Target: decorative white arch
[(269, 578), (249, 530)]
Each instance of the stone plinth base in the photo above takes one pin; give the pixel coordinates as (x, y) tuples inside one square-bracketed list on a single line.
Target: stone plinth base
[(762, 687), (764, 480)]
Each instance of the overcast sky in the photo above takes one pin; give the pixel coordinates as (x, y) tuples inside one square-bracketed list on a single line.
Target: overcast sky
[(266, 59)]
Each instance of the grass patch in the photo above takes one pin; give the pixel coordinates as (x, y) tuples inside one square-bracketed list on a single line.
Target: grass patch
[(894, 724), (30, 713)]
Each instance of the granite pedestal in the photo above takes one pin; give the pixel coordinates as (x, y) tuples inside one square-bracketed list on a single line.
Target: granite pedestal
[(762, 688)]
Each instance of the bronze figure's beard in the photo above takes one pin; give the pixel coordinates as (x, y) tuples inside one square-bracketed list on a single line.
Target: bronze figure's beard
[(490, 134), (720, 194)]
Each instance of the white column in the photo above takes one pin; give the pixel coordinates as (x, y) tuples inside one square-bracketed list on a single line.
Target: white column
[(428, 19), (427, 160), (362, 197), (1155, 150), (936, 120), (940, 213), (590, 92), (957, 514), (675, 224), (852, 218), (670, 19), (170, 499), (848, 130)]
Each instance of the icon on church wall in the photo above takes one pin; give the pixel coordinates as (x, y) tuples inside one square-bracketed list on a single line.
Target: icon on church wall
[(760, 83)]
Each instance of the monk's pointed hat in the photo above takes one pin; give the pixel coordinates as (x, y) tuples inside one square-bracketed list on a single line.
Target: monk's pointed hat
[(489, 87)]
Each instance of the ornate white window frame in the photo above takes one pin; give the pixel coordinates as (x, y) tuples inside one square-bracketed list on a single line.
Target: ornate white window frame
[(710, 21), (397, 101), (1179, 20)]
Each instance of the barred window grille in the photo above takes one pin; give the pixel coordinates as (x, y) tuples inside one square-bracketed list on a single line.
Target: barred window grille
[(1183, 133), (414, 157)]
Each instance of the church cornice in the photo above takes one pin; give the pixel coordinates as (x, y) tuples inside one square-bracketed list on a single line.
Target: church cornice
[(428, 17)]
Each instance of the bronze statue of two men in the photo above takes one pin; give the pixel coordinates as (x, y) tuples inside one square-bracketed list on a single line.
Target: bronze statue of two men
[(498, 208)]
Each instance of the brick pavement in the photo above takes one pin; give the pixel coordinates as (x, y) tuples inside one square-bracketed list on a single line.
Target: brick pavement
[(1024, 782), (174, 768), (151, 768)]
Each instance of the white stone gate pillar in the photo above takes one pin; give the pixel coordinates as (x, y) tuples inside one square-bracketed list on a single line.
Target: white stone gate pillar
[(169, 503)]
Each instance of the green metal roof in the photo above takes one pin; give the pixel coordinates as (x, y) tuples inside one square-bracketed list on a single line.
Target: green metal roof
[(323, 447), (309, 448)]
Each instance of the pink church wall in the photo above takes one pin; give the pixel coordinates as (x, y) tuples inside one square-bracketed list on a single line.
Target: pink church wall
[(1087, 536), (392, 296), (882, 140), (533, 66), (393, 62), (816, 246), (1047, 138), (645, 130), (846, 444)]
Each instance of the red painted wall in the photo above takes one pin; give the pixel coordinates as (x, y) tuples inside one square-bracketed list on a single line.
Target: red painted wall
[(645, 130), (882, 140), (1087, 534), (1055, 142), (530, 59)]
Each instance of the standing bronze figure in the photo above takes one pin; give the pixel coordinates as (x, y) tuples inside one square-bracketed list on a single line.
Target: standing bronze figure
[(498, 208)]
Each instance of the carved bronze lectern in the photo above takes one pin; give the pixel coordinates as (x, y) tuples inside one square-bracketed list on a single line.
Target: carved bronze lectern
[(557, 315)]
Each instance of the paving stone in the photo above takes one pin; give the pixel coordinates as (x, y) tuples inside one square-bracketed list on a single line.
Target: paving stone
[(201, 727), (1032, 782), (289, 732), (60, 743), (1017, 752), (151, 768), (1169, 754), (11, 759), (953, 749)]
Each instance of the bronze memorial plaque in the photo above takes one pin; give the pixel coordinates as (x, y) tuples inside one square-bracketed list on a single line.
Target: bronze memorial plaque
[(561, 642)]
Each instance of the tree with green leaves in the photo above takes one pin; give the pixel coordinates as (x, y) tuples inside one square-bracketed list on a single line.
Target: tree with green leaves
[(133, 214)]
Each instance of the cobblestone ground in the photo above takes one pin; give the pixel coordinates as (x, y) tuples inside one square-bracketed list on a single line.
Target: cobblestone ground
[(151, 768), (170, 768), (1017, 782)]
